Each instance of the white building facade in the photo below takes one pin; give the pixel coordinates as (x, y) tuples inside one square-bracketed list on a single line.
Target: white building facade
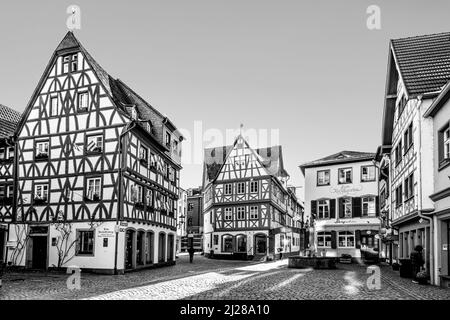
[(341, 197)]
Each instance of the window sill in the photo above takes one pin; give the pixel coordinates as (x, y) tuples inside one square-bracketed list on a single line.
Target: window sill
[(363, 181), (323, 185), (84, 254), (345, 182)]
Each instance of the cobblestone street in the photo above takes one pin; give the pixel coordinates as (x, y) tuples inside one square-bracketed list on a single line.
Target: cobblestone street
[(218, 279)]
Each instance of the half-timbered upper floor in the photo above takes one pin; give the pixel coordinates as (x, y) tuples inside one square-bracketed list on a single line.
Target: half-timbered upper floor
[(83, 136)]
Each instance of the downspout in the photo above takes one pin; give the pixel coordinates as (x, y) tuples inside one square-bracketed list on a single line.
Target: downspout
[(431, 250)]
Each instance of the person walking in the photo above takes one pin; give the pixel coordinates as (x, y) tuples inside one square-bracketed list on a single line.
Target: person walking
[(416, 261), (191, 254)]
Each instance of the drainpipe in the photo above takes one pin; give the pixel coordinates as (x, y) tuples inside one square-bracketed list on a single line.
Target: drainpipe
[(420, 214)]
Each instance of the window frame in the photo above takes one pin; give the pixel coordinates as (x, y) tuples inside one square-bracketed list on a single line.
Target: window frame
[(409, 187), (52, 98), (38, 156), (80, 243), (347, 201), (323, 206), (365, 200), (254, 214), (228, 214), (345, 175), (398, 203), (91, 136), (226, 189), (408, 140), (79, 94), (238, 187), (346, 235), (324, 235), (374, 173), (44, 185), (86, 189), (239, 212), (252, 184)]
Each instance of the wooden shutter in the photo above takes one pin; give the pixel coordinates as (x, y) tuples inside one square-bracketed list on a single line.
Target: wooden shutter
[(358, 239), (333, 240), (356, 207), (440, 146), (333, 208), (377, 206), (341, 208), (314, 208)]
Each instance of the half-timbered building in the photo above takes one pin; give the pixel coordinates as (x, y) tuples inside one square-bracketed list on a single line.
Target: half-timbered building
[(97, 172), (248, 210), (8, 122)]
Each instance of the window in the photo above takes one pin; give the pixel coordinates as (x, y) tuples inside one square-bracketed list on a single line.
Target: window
[(168, 140), (241, 188), (409, 187), (347, 203), (228, 214), (2, 192), (401, 106), (241, 213), (139, 194), (175, 146), (190, 206), (2, 154), (253, 212), (216, 240), (85, 242), (54, 108), (10, 153), (143, 154), (70, 63), (41, 192), (444, 145), (94, 143), (10, 191), (367, 173), (228, 189), (345, 175), (346, 239), (323, 178), (368, 206), (227, 242), (83, 101), (447, 143), (93, 189), (323, 207), (149, 198), (254, 186), (324, 239), (408, 137), (42, 150), (398, 196), (398, 153)]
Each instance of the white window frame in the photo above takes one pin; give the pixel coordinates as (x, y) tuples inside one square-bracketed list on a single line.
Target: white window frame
[(345, 176), (240, 213), (42, 147), (230, 190), (368, 206), (239, 184), (347, 203), (54, 108), (2, 153), (91, 242), (97, 140), (254, 212), (346, 236), (10, 191), (254, 186), (228, 214), (97, 186), (41, 191), (323, 177), (83, 103), (143, 153), (447, 143), (370, 175)]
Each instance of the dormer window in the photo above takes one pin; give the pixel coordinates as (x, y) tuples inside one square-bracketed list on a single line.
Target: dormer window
[(42, 149), (70, 63), (83, 101)]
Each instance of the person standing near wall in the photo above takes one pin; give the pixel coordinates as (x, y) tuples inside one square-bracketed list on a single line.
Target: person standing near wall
[(416, 261)]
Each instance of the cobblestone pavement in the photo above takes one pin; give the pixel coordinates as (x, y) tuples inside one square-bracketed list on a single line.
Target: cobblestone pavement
[(218, 279)]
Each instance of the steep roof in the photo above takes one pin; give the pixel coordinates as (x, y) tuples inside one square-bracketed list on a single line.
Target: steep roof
[(340, 157), (424, 62), (9, 119), (121, 94), (214, 158)]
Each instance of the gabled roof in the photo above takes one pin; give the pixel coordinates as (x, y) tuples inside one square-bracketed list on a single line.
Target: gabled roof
[(9, 119), (121, 95), (424, 62), (214, 159), (439, 102), (340, 157)]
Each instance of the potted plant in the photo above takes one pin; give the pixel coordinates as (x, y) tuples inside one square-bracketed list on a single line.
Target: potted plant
[(422, 277), (395, 266)]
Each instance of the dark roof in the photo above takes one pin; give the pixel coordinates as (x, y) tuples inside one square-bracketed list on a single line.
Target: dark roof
[(9, 119), (214, 158), (424, 62), (340, 157)]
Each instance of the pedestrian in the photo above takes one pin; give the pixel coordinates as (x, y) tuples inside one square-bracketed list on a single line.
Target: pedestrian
[(416, 261), (191, 254)]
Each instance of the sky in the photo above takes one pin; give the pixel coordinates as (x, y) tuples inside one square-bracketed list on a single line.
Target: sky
[(310, 70)]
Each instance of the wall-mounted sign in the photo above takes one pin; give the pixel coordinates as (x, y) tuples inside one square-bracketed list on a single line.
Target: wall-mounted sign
[(124, 224), (346, 190), (105, 233)]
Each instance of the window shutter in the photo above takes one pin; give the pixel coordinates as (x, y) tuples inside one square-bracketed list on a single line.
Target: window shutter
[(358, 239), (333, 240), (78, 235), (333, 208), (377, 206), (341, 208), (356, 207), (313, 208), (440, 146)]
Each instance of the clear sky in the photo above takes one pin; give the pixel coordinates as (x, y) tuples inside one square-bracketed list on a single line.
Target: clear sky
[(311, 69)]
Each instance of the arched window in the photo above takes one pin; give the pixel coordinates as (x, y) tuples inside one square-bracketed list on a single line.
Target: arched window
[(241, 241), (227, 243)]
